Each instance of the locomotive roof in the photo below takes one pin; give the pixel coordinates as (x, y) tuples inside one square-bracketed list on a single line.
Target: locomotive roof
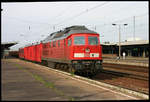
[(66, 32)]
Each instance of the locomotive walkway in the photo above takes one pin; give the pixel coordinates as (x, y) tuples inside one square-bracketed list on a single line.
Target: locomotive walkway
[(26, 81)]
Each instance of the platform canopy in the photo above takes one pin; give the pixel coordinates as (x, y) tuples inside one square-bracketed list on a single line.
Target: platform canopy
[(6, 45)]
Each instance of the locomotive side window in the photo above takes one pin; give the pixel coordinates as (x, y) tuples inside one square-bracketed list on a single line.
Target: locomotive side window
[(64, 42), (69, 42), (58, 43), (44, 45), (79, 40), (54, 43), (92, 40), (47, 45)]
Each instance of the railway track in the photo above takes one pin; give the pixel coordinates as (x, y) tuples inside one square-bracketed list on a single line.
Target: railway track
[(127, 67), (137, 72), (123, 81), (121, 74)]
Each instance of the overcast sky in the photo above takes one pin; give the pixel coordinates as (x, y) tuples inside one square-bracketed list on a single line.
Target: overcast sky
[(29, 22)]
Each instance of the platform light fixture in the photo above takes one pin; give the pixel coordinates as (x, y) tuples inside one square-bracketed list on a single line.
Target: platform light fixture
[(119, 37)]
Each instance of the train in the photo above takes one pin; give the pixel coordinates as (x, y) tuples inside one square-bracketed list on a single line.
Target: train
[(75, 48)]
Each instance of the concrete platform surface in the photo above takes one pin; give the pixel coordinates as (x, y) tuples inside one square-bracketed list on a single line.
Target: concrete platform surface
[(26, 81)]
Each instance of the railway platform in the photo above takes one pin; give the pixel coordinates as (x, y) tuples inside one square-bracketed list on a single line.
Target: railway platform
[(27, 81)]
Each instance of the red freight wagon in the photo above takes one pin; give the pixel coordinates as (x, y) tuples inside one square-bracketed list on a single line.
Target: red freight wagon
[(38, 52), (33, 52), (25, 53), (28, 53)]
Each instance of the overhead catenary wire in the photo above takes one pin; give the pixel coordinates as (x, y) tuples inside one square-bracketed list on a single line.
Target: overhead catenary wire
[(81, 13), (95, 25), (122, 19), (107, 23), (27, 21), (34, 22), (86, 12), (62, 12), (73, 16)]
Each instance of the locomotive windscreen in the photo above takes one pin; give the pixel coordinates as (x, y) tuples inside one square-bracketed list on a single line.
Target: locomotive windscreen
[(79, 40), (92, 40)]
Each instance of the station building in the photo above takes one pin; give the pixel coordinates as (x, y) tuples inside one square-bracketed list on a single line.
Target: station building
[(137, 48), (5, 47)]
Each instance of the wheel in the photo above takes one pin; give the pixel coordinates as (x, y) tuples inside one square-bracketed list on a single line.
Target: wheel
[(62, 66), (51, 64), (71, 70), (57, 66), (44, 63), (65, 67)]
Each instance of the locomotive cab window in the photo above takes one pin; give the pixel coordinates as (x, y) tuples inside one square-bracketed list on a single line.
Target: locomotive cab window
[(69, 42), (92, 40), (79, 40)]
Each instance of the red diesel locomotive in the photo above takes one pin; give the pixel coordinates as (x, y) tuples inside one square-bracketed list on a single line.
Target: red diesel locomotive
[(75, 46)]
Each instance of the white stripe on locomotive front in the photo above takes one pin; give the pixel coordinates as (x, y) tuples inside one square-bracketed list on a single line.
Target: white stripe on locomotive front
[(78, 54), (94, 54), (82, 55)]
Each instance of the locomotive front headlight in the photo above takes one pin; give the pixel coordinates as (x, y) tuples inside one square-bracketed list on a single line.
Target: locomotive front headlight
[(99, 62)]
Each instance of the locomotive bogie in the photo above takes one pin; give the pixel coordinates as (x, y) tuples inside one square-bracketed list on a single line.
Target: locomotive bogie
[(90, 65)]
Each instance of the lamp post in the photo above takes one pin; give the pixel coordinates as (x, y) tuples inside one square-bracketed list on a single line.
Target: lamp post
[(100, 37), (119, 37)]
